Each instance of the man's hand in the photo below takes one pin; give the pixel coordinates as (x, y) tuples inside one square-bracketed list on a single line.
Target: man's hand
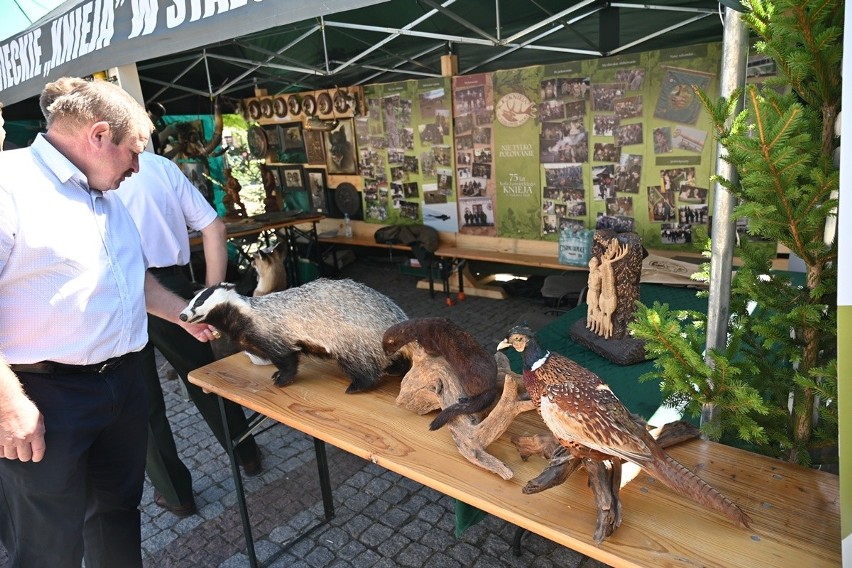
[(21, 430), (201, 331)]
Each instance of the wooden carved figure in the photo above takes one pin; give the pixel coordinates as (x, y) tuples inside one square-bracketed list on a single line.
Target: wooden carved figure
[(593, 294), (233, 204), (608, 299), (613, 287), (270, 186)]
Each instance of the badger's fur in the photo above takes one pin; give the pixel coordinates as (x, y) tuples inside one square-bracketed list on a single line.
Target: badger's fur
[(333, 319), (474, 367)]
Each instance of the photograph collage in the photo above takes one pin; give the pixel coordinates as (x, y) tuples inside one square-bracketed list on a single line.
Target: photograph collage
[(473, 110), (676, 201), (405, 154), (625, 145)]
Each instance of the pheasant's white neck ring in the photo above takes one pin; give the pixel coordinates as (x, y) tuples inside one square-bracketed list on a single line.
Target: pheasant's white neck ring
[(540, 362)]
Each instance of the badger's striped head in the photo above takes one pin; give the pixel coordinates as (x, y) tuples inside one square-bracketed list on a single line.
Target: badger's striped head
[(208, 299)]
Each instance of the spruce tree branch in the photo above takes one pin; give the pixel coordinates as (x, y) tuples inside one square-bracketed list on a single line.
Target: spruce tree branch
[(775, 178)]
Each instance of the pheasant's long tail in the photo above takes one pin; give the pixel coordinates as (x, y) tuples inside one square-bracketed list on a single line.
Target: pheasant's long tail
[(680, 479)]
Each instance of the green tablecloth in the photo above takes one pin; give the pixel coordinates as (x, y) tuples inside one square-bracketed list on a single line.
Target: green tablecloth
[(640, 398)]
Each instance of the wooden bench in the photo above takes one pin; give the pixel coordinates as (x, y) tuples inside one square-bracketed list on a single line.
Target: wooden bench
[(795, 511), (333, 242), (453, 253), (455, 249)]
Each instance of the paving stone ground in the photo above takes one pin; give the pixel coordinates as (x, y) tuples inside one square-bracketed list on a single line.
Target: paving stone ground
[(381, 519)]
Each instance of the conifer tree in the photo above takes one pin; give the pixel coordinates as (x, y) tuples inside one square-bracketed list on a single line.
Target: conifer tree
[(782, 346)]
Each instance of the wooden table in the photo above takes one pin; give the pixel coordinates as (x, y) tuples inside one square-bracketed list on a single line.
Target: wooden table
[(265, 224), (795, 511), (255, 226)]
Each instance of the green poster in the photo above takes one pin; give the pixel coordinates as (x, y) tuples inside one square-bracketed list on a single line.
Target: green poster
[(516, 167), (614, 142)]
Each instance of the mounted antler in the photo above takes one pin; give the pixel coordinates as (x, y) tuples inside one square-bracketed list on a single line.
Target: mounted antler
[(218, 126), (182, 141)]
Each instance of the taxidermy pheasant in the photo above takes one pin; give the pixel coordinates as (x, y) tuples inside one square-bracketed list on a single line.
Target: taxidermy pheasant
[(591, 423)]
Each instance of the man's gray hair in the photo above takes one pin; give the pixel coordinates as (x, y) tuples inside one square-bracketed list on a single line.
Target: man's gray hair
[(82, 103)]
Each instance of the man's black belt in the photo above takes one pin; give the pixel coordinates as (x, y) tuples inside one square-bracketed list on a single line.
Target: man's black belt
[(54, 368), (176, 269)]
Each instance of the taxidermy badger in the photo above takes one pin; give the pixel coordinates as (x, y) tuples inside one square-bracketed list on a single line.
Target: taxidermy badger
[(474, 367), (332, 319)]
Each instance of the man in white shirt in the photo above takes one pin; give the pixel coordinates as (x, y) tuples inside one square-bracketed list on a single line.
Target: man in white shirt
[(163, 203), (73, 300)]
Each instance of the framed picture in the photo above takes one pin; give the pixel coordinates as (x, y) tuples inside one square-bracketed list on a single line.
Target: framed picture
[(285, 143), (273, 140), (314, 147), (340, 149), (291, 137), (316, 184), (291, 178), (294, 195)]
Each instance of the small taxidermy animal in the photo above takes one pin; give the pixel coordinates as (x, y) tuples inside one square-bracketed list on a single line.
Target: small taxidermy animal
[(475, 368), (591, 422), (268, 264), (271, 272), (332, 319)]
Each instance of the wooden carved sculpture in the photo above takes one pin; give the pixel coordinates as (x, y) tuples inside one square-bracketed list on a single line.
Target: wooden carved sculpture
[(602, 295), (270, 186), (595, 428), (608, 299), (593, 295), (620, 256), (431, 384), (615, 269), (233, 204)]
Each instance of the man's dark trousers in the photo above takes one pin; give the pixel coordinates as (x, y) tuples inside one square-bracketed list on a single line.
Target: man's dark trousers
[(89, 483), (185, 353)]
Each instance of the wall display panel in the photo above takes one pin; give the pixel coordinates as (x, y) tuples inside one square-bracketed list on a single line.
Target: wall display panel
[(518, 109), (406, 156), (473, 117), (620, 142)]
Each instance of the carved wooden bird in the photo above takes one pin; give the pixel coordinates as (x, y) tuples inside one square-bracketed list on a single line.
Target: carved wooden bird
[(591, 422)]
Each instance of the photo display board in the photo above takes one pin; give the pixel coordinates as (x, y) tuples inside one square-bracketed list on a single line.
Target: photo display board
[(405, 148), (620, 142)]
